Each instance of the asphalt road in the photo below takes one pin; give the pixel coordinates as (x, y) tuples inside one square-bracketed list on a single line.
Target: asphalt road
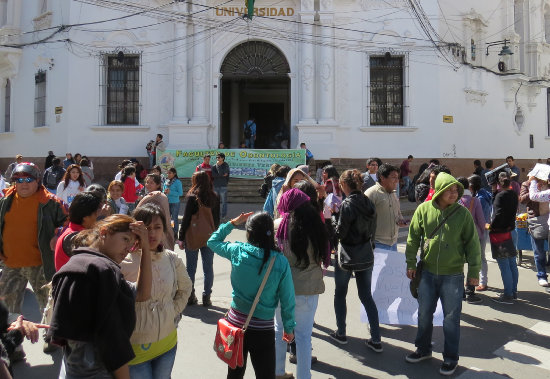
[(496, 340)]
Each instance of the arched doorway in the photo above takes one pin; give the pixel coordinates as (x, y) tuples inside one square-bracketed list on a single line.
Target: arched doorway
[(255, 83)]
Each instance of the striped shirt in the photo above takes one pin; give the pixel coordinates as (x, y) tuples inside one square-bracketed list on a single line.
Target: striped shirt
[(238, 319)]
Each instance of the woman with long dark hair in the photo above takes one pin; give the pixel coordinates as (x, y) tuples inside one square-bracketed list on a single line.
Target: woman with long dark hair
[(355, 227), (153, 187), (201, 218), (249, 262), (71, 184), (302, 236), (93, 314)]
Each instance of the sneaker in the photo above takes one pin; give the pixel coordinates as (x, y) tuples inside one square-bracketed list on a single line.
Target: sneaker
[(515, 295), (481, 287), (418, 357), (503, 299), (206, 302), (543, 282), (342, 340), (473, 299), (448, 368), (286, 375), (374, 346), (292, 359), (192, 299)]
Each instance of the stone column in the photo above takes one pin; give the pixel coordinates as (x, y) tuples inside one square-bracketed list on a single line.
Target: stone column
[(326, 71), (235, 120), (307, 92), (199, 72), (180, 77)]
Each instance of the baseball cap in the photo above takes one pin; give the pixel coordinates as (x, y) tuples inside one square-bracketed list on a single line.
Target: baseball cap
[(26, 169)]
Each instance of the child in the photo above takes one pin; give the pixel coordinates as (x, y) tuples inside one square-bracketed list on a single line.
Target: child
[(155, 337), (115, 199)]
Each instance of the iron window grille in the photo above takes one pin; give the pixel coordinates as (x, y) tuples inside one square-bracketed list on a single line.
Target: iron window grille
[(386, 90), (40, 99), (120, 89), (7, 106)]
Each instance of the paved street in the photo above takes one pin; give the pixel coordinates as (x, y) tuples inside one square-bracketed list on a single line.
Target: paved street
[(497, 340)]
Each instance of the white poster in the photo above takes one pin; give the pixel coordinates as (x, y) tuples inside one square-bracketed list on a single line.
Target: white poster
[(390, 290)]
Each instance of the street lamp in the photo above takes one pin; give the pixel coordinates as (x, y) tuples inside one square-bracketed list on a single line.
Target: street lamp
[(505, 49)]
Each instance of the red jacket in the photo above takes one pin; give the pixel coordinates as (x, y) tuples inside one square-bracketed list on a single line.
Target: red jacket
[(60, 256)]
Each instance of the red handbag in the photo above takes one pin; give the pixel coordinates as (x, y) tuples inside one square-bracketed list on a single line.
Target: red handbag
[(229, 340)]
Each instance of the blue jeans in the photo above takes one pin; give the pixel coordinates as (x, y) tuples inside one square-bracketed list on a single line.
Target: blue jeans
[(157, 368), (249, 142), (304, 315), (540, 256), (509, 273), (174, 212), (207, 256), (222, 193), (363, 281), (406, 184), (379, 245), (448, 288)]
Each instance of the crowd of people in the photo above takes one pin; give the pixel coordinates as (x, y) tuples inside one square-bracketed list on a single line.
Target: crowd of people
[(111, 289)]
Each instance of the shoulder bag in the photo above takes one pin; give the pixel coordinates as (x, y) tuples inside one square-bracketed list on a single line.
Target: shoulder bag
[(229, 340), (415, 282), (200, 229)]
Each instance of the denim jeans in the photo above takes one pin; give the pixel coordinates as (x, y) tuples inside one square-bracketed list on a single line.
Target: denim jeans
[(509, 273), (249, 142), (363, 281), (540, 256), (151, 159), (379, 245), (448, 288), (304, 314), (157, 368), (207, 256), (484, 267), (222, 193), (174, 212), (406, 184)]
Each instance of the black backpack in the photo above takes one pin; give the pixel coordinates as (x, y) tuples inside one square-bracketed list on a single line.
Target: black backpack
[(51, 179)]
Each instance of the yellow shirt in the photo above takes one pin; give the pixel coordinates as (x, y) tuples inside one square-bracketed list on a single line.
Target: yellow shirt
[(20, 234), (146, 352)]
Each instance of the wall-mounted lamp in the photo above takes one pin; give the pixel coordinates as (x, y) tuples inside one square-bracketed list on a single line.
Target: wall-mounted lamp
[(505, 49)]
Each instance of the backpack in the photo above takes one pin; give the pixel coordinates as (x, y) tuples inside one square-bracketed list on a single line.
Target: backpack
[(51, 179), (247, 130), (200, 229)]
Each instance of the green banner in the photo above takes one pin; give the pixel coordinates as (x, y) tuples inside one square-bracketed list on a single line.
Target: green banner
[(243, 163)]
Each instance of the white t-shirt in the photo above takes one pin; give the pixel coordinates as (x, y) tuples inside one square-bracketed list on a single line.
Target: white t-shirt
[(68, 194)]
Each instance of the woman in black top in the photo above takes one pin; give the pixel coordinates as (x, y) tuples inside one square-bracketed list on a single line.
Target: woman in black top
[(200, 220), (505, 205)]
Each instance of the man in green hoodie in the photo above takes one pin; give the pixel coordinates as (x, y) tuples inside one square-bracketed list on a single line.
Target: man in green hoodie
[(455, 243)]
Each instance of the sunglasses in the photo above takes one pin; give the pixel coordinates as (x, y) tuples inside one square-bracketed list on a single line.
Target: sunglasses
[(24, 180)]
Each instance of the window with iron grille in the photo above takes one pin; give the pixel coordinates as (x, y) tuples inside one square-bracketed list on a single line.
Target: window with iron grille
[(386, 90), (7, 105), (40, 99), (121, 92)]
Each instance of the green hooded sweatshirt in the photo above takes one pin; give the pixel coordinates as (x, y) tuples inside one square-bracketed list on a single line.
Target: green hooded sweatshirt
[(454, 244)]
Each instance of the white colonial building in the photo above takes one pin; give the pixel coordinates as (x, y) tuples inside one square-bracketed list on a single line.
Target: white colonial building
[(351, 78)]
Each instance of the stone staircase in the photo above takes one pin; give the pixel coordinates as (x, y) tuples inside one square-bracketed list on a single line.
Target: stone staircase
[(238, 191)]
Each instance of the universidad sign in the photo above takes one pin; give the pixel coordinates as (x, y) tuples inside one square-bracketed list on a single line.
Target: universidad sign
[(261, 12), (243, 163)]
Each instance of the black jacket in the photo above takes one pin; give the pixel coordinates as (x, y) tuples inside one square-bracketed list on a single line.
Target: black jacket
[(505, 205), (94, 303), (356, 222)]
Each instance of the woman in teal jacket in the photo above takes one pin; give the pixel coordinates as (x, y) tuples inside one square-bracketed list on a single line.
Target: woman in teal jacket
[(249, 262), (173, 190)]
